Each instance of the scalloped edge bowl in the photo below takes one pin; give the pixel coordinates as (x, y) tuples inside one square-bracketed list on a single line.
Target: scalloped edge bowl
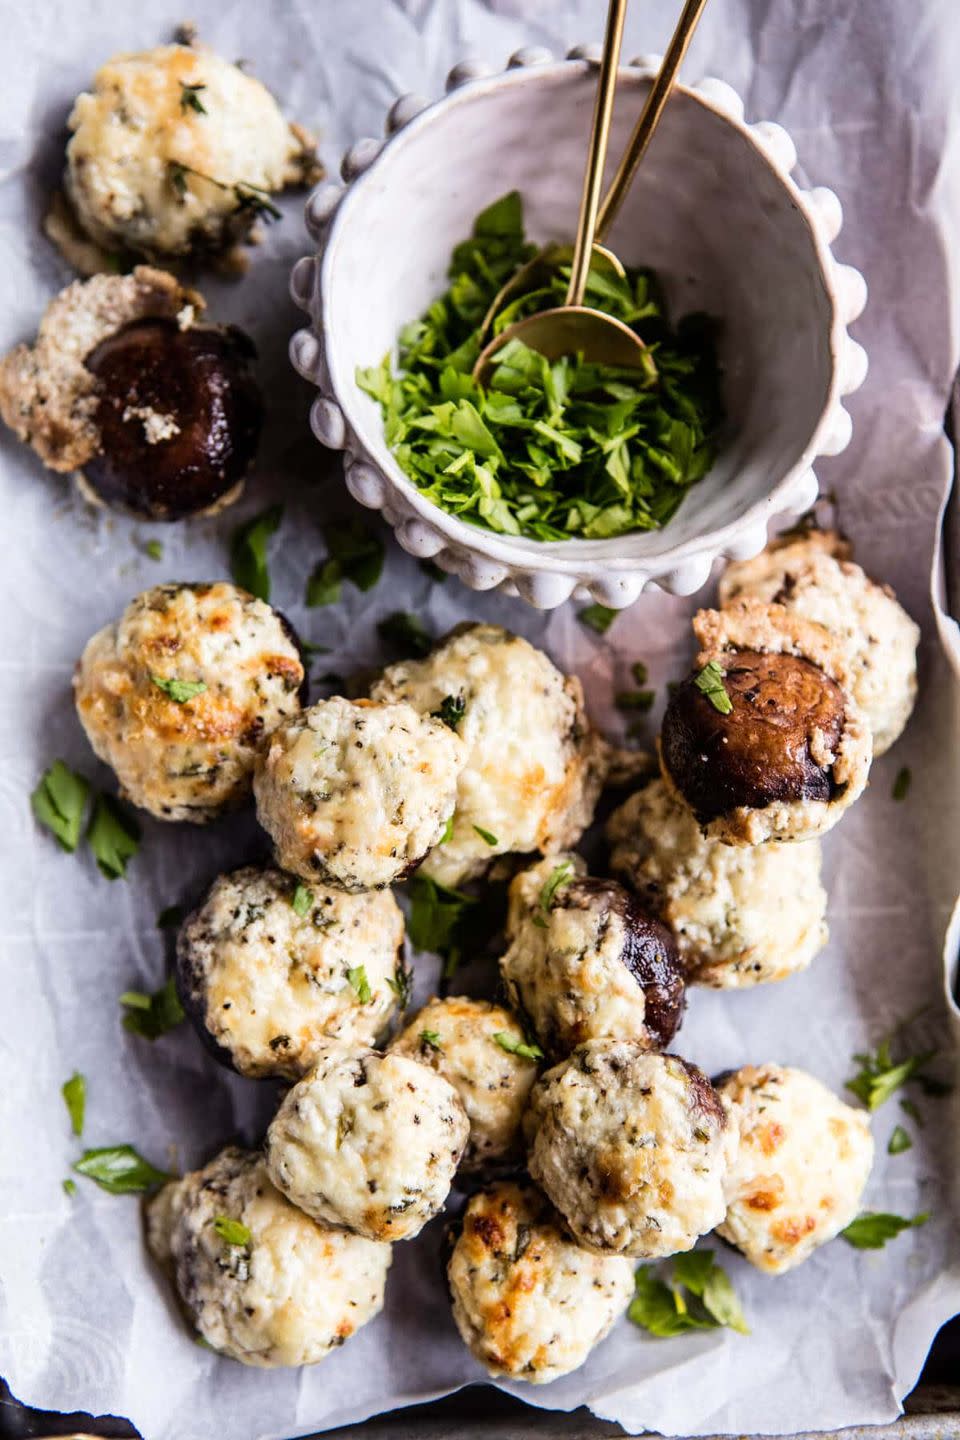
[(729, 222)]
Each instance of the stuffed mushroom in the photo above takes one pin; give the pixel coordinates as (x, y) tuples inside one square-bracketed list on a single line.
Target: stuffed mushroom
[(259, 1280), (740, 914), (355, 794), (176, 151), (764, 741), (814, 576), (585, 962), (483, 1052), (534, 766), (801, 1168), (368, 1141), (529, 1303), (633, 1149), (269, 969), (179, 695), (157, 412)]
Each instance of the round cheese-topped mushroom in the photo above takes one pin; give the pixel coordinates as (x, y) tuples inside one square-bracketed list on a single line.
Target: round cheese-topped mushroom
[(764, 740), (529, 1303), (269, 969), (586, 963), (474, 1044), (632, 1148), (259, 1280), (176, 150), (740, 914), (355, 793), (368, 1141), (801, 1167), (179, 695), (815, 577), (533, 765)]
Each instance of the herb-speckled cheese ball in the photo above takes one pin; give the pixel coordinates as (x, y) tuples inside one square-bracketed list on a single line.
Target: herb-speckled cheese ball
[(632, 1148), (175, 150), (355, 793), (533, 766), (741, 915), (269, 969), (585, 962), (801, 1168), (814, 576), (179, 695), (529, 1303), (457, 1037), (278, 1288), (368, 1141)]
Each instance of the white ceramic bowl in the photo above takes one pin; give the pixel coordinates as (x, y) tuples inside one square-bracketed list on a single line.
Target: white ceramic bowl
[(713, 210)]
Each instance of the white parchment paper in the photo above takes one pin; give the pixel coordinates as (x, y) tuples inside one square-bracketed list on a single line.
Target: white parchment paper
[(868, 93)]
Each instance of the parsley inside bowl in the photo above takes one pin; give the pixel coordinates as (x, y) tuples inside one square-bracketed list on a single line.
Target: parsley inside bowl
[(713, 214)]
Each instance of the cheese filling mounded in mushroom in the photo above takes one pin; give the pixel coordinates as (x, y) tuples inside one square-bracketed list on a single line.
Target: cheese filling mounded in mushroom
[(529, 1303), (814, 576), (368, 1141), (174, 150), (633, 1149), (181, 692), (801, 1167), (269, 969), (473, 1044), (355, 794), (259, 1280), (763, 741), (740, 914), (534, 766), (586, 963)]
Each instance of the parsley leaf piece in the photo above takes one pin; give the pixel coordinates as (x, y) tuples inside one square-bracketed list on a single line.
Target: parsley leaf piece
[(430, 1040), (486, 836), (880, 1076), (401, 984), (435, 914), (451, 711), (74, 1092), (406, 633), (301, 900), (323, 586), (598, 617), (524, 1049), (256, 199), (59, 802), (232, 1232), (872, 1229), (710, 683), (700, 1297), (152, 1015), (179, 690), (248, 551), (154, 549), (113, 836), (562, 874), (639, 672), (698, 1272), (901, 784), (899, 1141), (635, 700), (190, 98), (120, 1169), (69, 1186), (357, 977), (354, 554), (169, 919), (447, 835)]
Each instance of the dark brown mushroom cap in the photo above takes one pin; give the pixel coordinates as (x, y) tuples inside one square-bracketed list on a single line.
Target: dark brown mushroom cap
[(786, 716), (200, 377)]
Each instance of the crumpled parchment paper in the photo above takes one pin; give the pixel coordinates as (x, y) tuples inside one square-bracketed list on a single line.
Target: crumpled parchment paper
[(868, 93)]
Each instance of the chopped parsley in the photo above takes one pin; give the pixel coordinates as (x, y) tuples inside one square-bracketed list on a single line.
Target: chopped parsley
[(354, 554), (435, 915), (639, 672), (120, 1169), (486, 836), (190, 98), (899, 1141), (301, 900), (699, 1296), (554, 450), (113, 836), (451, 710), (74, 1092), (710, 683), (232, 1232), (562, 874), (447, 830), (872, 1229), (430, 1040), (69, 1186), (152, 1015), (153, 549), (357, 977), (880, 1076), (401, 984), (523, 1049), (246, 195), (641, 700), (248, 551), (59, 802), (598, 617), (406, 633), (901, 784), (179, 690)]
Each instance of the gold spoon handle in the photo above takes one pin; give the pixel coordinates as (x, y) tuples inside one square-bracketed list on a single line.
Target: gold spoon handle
[(650, 115), (597, 152)]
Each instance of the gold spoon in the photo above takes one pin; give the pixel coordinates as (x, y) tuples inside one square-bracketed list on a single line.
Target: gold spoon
[(536, 271), (575, 328)]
